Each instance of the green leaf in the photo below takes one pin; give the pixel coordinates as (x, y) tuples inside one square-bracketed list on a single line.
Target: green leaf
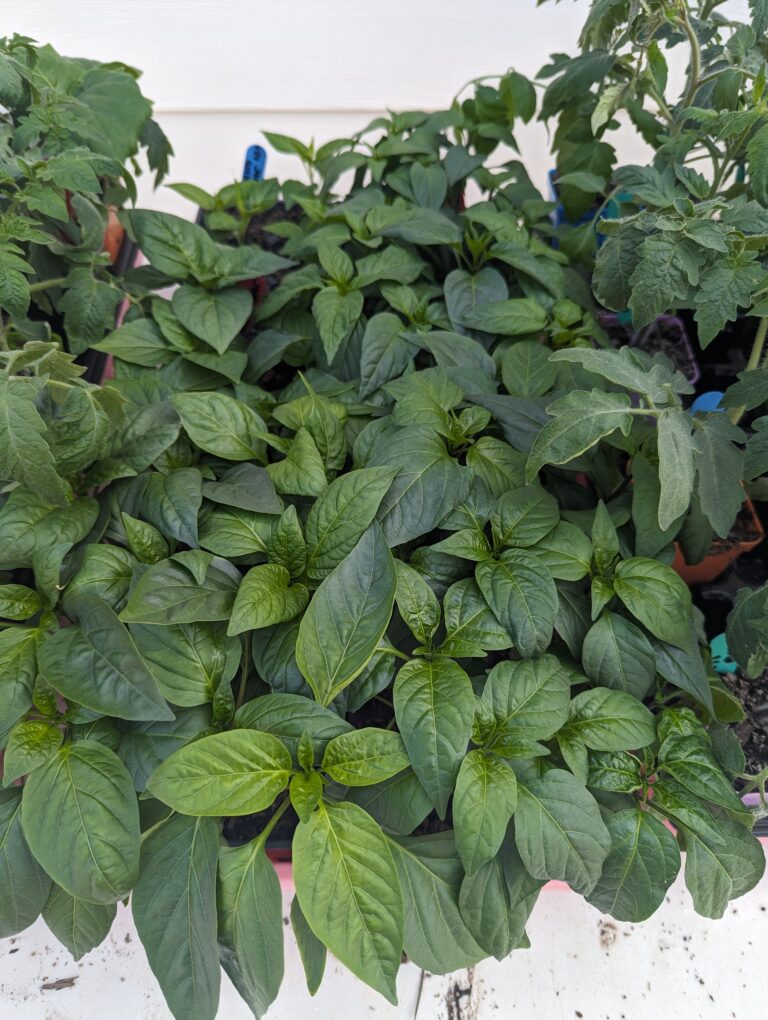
[(146, 542), (89, 309), (188, 661), (466, 292), (616, 261), (250, 909), (718, 873), (614, 771), (24, 886), (626, 367), (434, 705), (416, 603), (526, 369), (676, 467), (657, 597), (522, 597), (144, 746), (25, 456), (85, 795), (384, 352), (97, 664), (171, 503), (286, 546), (528, 698), (349, 891), (512, 317), (692, 764), (31, 743), (471, 628), (641, 865), (312, 951), (18, 602), (436, 937), (559, 831), (245, 487), (80, 926), (399, 804), (617, 654), (608, 720), (167, 593), (233, 532), (289, 716), (497, 900), (719, 463), (302, 472), (523, 517), (566, 552), (428, 484), (364, 756), (483, 803), (178, 880), (747, 630), (214, 316), (221, 425), (669, 264), (18, 668), (139, 342), (726, 287), (265, 597), (30, 527), (237, 772), (579, 421), (336, 313), (340, 516), (687, 810), (418, 226), (347, 617)]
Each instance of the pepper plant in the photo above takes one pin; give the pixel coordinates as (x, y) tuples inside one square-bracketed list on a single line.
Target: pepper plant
[(358, 562)]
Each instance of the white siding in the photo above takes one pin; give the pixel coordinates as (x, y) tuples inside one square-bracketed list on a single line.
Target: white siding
[(221, 72)]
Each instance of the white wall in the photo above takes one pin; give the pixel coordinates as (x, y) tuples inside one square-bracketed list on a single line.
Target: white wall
[(220, 71)]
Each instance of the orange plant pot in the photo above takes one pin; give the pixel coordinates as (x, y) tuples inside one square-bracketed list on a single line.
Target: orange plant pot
[(715, 563)]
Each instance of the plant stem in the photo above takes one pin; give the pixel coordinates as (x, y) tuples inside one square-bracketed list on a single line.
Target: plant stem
[(266, 831), (754, 362), (57, 281), (695, 67), (388, 650)]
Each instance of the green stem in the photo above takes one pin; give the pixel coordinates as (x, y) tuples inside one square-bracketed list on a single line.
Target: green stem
[(388, 650), (756, 354), (695, 68), (266, 831), (57, 281)]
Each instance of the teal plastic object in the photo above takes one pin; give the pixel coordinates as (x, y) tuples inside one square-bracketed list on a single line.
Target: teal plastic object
[(721, 657)]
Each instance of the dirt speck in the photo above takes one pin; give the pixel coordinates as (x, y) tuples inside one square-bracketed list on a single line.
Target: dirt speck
[(56, 986), (608, 933)]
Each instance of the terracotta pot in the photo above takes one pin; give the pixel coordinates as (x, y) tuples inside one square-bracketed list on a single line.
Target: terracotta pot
[(714, 565)]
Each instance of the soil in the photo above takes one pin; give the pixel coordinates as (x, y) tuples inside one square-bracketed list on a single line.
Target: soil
[(744, 530), (753, 731), (666, 336), (259, 234)]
